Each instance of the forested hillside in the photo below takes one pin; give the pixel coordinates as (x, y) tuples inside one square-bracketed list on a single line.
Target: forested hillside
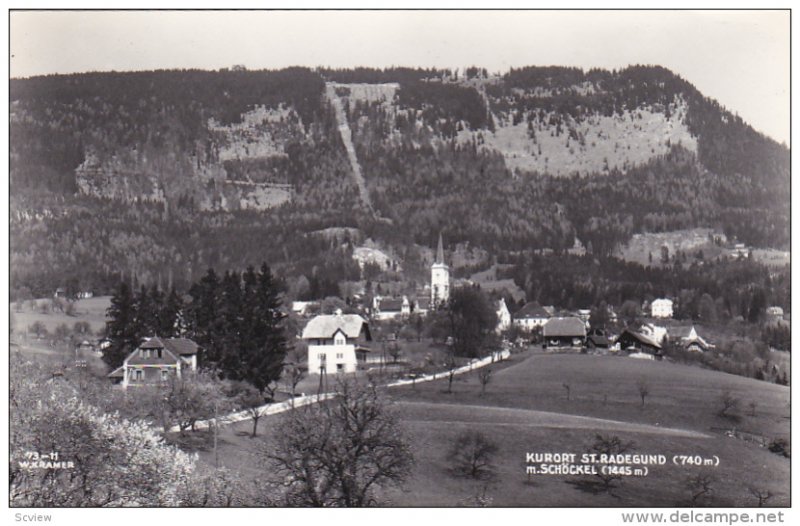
[(160, 175)]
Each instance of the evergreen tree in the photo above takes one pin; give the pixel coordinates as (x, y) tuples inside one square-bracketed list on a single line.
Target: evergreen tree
[(472, 320), (170, 317), (120, 327), (263, 354), (232, 327), (203, 321)]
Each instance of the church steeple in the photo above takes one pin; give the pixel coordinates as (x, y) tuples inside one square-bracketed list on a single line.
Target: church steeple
[(440, 278)]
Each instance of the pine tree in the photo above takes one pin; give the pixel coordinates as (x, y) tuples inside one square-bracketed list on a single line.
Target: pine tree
[(203, 322), (231, 334), (120, 327), (263, 354), (170, 316)]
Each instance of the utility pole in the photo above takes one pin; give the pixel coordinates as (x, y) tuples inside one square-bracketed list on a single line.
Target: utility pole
[(216, 452)]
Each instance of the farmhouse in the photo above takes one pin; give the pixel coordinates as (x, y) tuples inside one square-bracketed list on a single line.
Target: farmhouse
[(635, 342), (661, 308), (657, 333), (337, 343), (530, 316), (155, 360), (688, 338), (564, 332)]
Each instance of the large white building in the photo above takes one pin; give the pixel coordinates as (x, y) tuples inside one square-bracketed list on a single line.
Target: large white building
[(661, 308), (440, 278), (337, 343)]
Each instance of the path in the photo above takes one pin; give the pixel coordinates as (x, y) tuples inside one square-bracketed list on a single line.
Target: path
[(347, 139), (474, 415), (282, 407)]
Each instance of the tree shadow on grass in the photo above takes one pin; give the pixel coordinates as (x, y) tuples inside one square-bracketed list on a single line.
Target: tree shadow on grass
[(593, 487)]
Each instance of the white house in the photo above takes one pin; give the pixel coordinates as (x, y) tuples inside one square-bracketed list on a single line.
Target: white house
[(503, 316), (336, 343), (155, 360), (530, 316), (655, 332), (689, 339), (661, 308)]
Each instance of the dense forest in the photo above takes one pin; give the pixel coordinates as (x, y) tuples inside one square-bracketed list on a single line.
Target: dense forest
[(424, 153)]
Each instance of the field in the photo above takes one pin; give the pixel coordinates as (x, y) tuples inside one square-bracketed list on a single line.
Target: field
[(525, 409), (91, 310)]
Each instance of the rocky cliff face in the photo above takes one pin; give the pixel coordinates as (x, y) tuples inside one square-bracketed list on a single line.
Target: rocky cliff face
[(234, 175)]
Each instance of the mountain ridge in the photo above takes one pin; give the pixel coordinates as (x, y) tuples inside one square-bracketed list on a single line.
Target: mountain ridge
[(531, 159)]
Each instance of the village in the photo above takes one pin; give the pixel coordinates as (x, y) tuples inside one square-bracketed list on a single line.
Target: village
[(385, 333)]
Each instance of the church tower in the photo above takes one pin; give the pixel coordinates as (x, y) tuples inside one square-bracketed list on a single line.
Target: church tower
[(440, 278)]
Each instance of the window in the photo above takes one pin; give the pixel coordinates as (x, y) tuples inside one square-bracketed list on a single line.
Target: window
[(339, 367), (159, 353), (164, 374), (138, 375), (339, 355)]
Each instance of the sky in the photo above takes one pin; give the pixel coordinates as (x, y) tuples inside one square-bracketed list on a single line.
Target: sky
[(739, 58)]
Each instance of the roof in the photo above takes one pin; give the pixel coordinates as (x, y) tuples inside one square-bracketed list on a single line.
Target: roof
[(181, 346), (390, 305), (680, 331), (532, 310), (152, 343), (326, 325), (662, 301), (641, 338), (599, 340), (570, 326), (117, 373), (167, 358)]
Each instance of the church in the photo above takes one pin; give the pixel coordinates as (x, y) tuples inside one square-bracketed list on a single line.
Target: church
[(440, 278)]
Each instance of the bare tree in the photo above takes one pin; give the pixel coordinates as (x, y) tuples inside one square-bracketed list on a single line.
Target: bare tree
[(762, 495), (471, 455), (609, 445), (566, 387), (295, 368), (394, 351), (699, 486), (451, 374), (480, 499), (249, 399), (484, 377), (729, 403), (644, 389), (336, 453)]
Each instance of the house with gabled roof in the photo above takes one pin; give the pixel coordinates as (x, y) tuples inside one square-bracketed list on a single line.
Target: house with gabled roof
[(688, 338), (337, 343), (503, 316), (531, 316), (636, 342), (155, 360), (568, 331), (390, 308)]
